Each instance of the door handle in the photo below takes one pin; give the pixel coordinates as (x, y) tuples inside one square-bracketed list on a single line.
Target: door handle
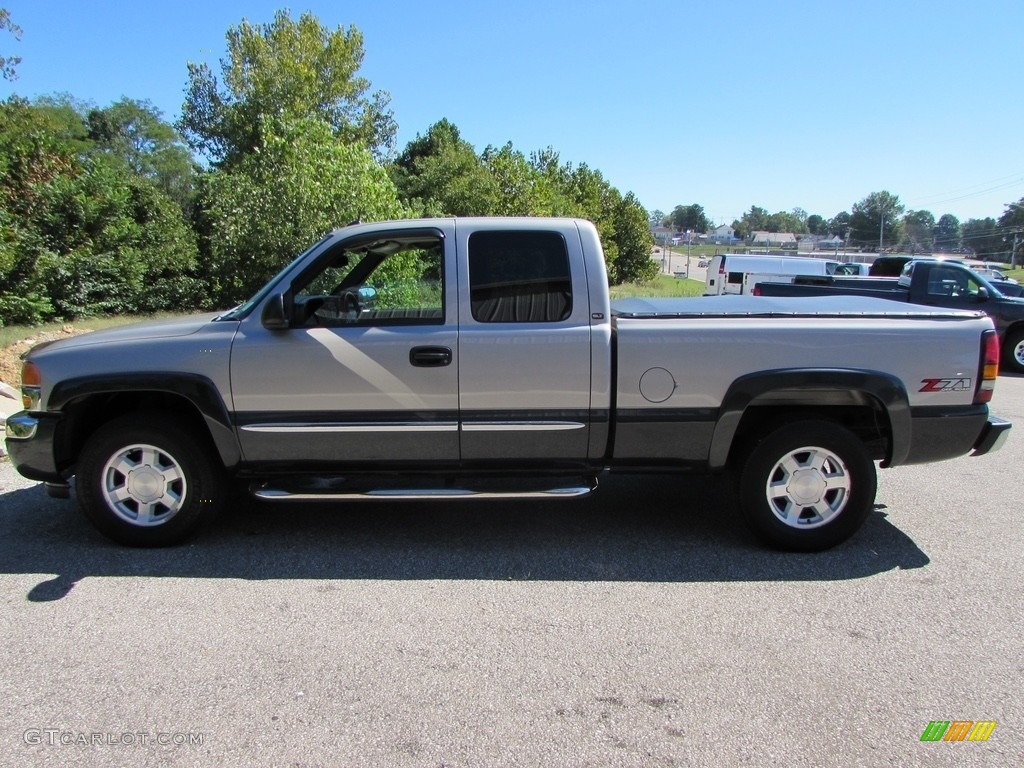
[(430, 357)]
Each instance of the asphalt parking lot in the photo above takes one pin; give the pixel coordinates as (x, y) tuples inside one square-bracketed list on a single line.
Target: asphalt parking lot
[(640, 627)]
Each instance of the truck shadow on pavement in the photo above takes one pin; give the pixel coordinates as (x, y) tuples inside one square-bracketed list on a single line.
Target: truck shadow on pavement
[(634, 529)]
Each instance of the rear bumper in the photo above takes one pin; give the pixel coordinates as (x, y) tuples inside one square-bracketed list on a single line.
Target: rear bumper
[(30, 444), (992, 436), (938, 434)]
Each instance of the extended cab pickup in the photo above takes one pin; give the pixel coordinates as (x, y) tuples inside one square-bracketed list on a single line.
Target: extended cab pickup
[(932, 283), (462, 358)]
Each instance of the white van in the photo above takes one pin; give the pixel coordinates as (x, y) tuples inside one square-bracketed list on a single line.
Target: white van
[(733, 273)]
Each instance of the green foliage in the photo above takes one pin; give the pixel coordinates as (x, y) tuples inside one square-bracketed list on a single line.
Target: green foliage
[(133, 132), (840, 224), (275, 202), (986, 239), (876, 216), (689, 218), (816, 225), (439, 174), (289, 70), (918, 232), (947, 233), (633, 240), (8, 63), (80, 233)]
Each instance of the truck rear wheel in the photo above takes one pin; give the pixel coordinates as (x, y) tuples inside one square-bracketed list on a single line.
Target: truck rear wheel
[(145, 481), (807, 486)]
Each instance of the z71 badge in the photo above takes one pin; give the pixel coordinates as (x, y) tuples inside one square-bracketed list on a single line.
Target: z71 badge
[(945, 385)]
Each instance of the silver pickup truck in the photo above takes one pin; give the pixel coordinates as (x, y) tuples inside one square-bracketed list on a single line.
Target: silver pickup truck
[(469, 358)]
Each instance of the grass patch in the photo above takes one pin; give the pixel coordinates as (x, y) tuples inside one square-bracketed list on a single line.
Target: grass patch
[(660, 286), (1016, 274)]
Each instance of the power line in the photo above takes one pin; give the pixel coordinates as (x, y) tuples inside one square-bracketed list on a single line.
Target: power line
[(976, 190)]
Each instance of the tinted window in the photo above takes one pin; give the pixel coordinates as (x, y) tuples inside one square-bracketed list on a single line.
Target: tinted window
[(519, 277)]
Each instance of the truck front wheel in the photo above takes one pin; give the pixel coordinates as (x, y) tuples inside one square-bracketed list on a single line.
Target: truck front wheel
[(145, 481), (807, 486)]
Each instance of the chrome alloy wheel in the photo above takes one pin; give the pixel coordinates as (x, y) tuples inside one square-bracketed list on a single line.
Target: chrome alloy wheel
[(1018, 352), (144, 485), (808, 487)]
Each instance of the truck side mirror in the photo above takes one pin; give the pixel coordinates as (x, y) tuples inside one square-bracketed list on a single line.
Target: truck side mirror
[(274, 317), (983, 294)]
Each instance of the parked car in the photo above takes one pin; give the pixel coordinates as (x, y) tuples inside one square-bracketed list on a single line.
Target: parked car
[(994, 275)]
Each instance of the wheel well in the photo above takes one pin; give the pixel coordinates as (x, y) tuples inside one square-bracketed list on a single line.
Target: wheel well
[(858, 412), (85, 415)]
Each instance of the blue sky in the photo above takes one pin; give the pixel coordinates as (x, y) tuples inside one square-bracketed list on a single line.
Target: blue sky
[(728, 104)]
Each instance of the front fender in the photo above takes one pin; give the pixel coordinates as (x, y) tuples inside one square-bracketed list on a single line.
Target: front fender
[(198, 390)]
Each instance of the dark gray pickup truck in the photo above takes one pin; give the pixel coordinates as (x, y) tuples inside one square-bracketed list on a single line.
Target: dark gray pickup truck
[(931, 283), (474, 358)]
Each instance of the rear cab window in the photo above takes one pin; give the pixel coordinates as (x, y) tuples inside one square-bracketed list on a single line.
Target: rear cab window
[(519, 277)]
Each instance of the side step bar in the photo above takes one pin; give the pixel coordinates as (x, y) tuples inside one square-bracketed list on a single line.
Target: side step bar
[(268, 493)]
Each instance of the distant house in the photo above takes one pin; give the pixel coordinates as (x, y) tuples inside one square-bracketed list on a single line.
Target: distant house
[(773, 239), (662, 235), (830, 244), (722, 235)]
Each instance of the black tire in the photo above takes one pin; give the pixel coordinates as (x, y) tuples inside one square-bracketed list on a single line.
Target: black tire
[(145, 481), (807, 486), (1013, 351)]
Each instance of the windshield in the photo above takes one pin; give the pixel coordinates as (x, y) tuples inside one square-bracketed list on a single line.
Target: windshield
[(245, 308)]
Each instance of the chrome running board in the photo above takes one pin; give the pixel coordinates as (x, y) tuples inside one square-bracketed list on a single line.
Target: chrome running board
[(268, 493)]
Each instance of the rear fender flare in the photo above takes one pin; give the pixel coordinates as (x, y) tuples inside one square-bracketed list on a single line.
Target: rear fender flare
[(884, 387)]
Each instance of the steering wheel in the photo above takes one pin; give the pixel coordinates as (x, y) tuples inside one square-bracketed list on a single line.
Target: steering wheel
[(350, 303)]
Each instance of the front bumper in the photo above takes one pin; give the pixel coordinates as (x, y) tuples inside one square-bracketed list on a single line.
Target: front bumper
[(30, 444), (992, 436)]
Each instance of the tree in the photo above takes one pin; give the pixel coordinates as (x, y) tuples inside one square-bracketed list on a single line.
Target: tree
[(516, 182), (689, 218), (784, 221), (876, 217), (656, 218), (8, 63), (268, 207), (985, 239), (754, 220), (1012, 224), (115, 244), (440, 174), (633, 241), (80, 233), (134, 132), (290, 70), (918, 232), (816, 225), (839, 224), (947, 233)]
